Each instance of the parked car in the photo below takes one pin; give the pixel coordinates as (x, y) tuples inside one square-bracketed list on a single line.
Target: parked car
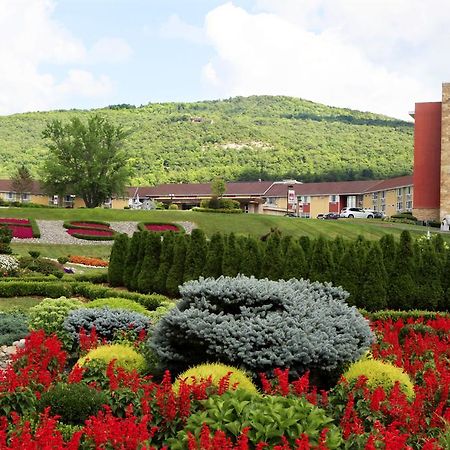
[(376, 214), (320, 216), (331, 216), (356, 213)]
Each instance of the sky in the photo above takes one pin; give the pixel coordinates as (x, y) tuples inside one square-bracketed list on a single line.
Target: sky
[(372, 55)]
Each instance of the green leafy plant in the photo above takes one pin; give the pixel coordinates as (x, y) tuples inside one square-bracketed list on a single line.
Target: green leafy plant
[(268, 418), (13, 327), (117, 303)]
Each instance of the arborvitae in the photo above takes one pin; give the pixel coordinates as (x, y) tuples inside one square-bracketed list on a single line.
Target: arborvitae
[(428, 292), (150, 265), (251, 257), (373, 295), (389, 249), (231, 257), (338, 250), (294, 261), (401, 283), (175, 275), (165, 261), (117, 260), (139, 260), (272, 261), (322, 267), (195, 255), (439, 244), (348, 274), (284, 245), (214, 256), (305, 242), (132, 255), (444, 302)]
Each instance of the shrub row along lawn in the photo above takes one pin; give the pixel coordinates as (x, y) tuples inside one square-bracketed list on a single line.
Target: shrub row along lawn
[(313, 373)]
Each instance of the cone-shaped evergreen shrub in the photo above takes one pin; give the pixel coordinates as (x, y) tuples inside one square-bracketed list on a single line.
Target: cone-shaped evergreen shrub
[(195, 255), (322, 267), (175, 275), (373, 294), (389, 249), (251, 257), (272, 263), (165, 261), (338, 247), (260, 325), (150, 265), (294, 262), (139, 260), (402, 284), (231, 257), (214, 256), (132, 256), (117, 260), (348, 274)]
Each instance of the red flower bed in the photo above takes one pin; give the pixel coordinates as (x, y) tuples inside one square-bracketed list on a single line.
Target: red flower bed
[(21, 232), (159, 228), (89, 232), (90, 225), (12, 221)]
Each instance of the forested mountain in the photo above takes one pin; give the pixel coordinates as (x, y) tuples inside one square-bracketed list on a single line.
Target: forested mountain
[(242, 138)]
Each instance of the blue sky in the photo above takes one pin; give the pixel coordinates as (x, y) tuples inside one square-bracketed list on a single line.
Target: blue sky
[(372, 55)]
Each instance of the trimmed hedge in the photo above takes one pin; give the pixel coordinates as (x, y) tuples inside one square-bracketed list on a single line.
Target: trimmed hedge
[(219, 210), (141, 226), (395, 315), (35, 228), (88, 237), (69, 289)]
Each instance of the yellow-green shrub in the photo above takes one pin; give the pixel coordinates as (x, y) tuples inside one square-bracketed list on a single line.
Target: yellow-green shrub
[(380, 373), (117, 303), (217, 371), (125, 356)]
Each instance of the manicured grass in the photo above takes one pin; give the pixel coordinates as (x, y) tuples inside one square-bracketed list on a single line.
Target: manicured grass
[(256, 224), (56, 250), (22, 303)]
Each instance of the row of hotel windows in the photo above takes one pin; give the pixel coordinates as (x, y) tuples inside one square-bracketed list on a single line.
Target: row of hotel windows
[(404, 200)]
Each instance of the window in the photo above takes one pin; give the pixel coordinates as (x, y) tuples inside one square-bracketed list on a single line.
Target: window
[(271, 201), (383, 207), (399, 192), (10, 195), (408, 189), (399, 206), (383, 194), (305, 199), (334, 198), (409, 205), (305, 215), (25, 197)]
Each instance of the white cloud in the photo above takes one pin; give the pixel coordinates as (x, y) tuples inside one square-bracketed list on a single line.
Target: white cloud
[(350, 53), (176, 28), (31, 39)]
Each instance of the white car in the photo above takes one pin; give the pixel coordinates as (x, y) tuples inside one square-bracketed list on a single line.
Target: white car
[(356, 213)]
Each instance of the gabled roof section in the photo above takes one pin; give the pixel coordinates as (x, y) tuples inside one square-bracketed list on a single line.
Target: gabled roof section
[(392, 183), (36, 189)]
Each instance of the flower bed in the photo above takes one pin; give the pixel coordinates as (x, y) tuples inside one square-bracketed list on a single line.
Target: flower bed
[(21, 228), (90, 230), (160, 227), (86, 261), (351, 414)]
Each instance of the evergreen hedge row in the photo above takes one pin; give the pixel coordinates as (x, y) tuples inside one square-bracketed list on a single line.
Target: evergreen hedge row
[(384, 274)]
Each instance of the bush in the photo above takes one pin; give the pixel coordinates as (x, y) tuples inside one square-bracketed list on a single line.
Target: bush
[(218, 371), (260, 325), (117, 303), (5, 239), (173, 206), (124, 356), (218, 210), (13, 327), (74, 403), (219, 203), (268, 418), (117, 260), (107, 322), (41, 288), (62, 259), (160, 312), (50, 314), (379, 373), (34, 254), (41, 265)]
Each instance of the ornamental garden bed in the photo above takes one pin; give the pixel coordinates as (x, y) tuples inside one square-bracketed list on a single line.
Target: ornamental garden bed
[(21, 228), (157, 227), (90, 230)]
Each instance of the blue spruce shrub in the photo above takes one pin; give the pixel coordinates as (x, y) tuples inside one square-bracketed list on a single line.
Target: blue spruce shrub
[(107, 322), (260, 325)]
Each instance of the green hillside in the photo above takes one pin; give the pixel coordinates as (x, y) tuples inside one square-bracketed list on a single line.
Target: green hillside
[(243, 138)]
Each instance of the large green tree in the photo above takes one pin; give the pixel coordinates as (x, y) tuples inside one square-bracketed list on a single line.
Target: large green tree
[(86, 159), (22, 182)]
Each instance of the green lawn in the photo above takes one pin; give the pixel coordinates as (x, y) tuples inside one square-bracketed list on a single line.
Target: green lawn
[(56, 250), (256, 224), (22, 303)]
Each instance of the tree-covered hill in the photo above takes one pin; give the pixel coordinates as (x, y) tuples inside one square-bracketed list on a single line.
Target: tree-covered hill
[(242, 138)]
